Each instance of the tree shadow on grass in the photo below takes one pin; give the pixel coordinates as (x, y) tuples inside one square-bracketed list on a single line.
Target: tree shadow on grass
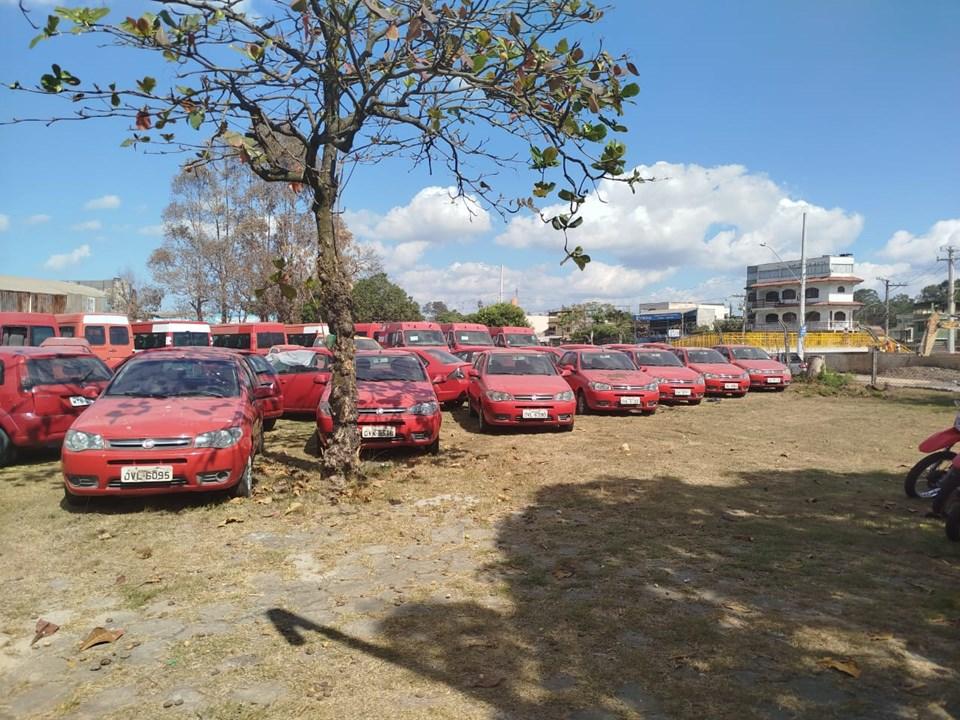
[(654, 597)]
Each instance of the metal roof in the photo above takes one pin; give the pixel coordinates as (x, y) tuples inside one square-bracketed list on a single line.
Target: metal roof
[(49, 287)]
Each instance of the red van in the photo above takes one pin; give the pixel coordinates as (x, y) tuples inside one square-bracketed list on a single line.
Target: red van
[(20, 328), (170, 333), (109, 336), (259, 336), (413, 334), (466, 336), (306, 334), (515, 337), (42, 391)]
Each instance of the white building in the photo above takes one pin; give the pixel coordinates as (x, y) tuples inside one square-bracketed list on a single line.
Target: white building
[(773, 294)]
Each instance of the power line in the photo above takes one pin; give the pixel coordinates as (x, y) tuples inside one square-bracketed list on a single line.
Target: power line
[(887, 284)]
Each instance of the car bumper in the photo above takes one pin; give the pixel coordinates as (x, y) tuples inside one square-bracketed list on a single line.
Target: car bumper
[(681, 392), (727, 387), (511, 413), (450, 390), (759, 382), (408, 430), (613, 400), (97, 472), (39, 431), (273, 409)]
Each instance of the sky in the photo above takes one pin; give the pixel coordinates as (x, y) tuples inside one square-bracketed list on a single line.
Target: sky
[(749, 115)]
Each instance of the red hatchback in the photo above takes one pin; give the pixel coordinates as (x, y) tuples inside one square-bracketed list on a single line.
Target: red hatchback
[(303, 375), (764, 371), (448, 373), (721, 377), (396, 403), (677, 383), (42, 391), (608, 380), (171, 421), (519, 387)]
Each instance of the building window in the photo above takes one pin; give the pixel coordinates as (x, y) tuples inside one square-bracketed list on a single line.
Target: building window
[(789, 295), (751, 297), (771, 318), (789, 317), (812, 293), (841, 289), (772, 296), (839, 315), (813, 316)]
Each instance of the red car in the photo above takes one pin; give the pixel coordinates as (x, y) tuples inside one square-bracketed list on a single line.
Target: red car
[(677, 383), (171, 421), (42, 391), (721, 377), (513, 387), (608, 380), (764, 371), (270, 406), (303, 376), (396, 402), (448, 372)]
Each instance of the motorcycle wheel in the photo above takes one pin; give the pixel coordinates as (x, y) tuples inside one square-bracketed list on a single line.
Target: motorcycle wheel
[(948, 485), (928, 473)]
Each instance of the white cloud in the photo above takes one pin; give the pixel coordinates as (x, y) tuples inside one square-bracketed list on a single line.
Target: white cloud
[(59, 262), (37, 219), (906, 246), (151, 230), (434, 215), (698, 217), (107, 202), (88, 225), (4, 222)]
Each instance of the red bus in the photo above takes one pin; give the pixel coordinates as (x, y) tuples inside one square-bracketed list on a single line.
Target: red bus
[(256, 336), (26, 328), (306, 334), (109, 335), (170, 333)]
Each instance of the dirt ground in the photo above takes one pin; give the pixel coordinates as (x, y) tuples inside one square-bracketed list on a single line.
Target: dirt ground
[(751, 558)]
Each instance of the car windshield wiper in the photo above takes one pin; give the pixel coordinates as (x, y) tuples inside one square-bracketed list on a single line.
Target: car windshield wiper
[(134, 393), (200, 393)]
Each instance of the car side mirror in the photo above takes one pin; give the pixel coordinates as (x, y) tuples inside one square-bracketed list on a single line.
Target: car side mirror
[(565, 371), (262, 392)]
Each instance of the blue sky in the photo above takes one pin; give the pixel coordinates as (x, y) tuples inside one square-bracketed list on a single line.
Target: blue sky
[(848, 109)]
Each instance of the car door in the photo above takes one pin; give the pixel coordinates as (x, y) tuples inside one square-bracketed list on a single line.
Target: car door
[(475, 386), (303, 385)]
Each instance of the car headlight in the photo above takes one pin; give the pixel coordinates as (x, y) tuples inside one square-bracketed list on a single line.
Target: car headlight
[(650, 386), (566, 395), (498, 396), (324, 408), (424, 408), (711, 376), (77, 441), (745, 376), (599, 386), (701, 380), (218, 438)]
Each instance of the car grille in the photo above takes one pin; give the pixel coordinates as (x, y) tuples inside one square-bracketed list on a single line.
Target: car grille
[(534, 398), (381, 411), (627, 387), (154, 443), (730, 377)]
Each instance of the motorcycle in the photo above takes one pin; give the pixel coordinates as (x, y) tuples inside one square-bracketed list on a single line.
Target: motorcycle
[(924, 479)]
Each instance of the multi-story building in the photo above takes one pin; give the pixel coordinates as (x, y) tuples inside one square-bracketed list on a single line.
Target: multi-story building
[(773, 294)]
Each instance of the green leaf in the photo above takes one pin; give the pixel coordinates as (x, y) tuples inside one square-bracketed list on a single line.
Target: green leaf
[(479, 61), (577, 222), (542, 189), (566, 195), (168, 137), (299, 6), (630, 90), (38, 38), (195, 119), (147, 84), (483, 38), (562, 47), (581, 260), (514, 24), (550, 155), (128, 142)]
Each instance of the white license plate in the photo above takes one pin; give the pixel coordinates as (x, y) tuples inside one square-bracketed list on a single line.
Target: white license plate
[(681, 392), (773, 381), (535, 414), (629, 400), (378, 431), (731, 386), (80, 401), (146, 473)]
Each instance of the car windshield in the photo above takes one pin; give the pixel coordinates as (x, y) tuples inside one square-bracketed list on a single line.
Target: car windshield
[(706, 356), (423, 337), (605, 361), (297, 361), (179, 377), (191, 339), (444, 357), (660, 358), (750, 353), (365, 343), (517, 364), (62, 370), (384, 368), (522, 339), (473, 337)]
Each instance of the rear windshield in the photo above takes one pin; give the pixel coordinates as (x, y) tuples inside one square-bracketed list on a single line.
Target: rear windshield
[(60, 370), (661, 358), (605, 361), (423, 337), (444, 357), (119, 335), (472, 337), (517, 364), (191, 339), (750, 353), (706, 356), (522, 339), (95, 334), (269, 339), (179, 377), (383, 368)]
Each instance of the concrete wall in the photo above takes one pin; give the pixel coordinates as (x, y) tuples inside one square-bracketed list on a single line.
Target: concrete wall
[(860, 362)]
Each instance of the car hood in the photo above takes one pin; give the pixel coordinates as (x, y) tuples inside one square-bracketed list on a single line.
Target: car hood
[(761, 365), (618, 377), (394, 393), (716, 368), (527, 384), (132, 417), (672, 372)]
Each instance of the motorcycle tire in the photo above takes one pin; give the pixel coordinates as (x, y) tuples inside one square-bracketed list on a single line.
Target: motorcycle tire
[(924, 470), (949, 485)]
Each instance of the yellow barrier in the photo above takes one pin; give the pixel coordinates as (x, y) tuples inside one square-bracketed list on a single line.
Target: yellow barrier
[(774, 341)]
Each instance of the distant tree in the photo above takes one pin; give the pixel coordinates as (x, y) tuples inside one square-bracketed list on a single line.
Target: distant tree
[(500, 315), (376, 298), (135, 299), (434, 308), (595, 322), (450, 316)]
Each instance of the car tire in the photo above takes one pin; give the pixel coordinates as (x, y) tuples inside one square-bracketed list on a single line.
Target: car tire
[(470, 410), (71, 500), (434, 447), (648, 413), (269, 425), (481, 421), (696, 402), (948, 485), (6, 449), (567, 428), (582, 407), (244, 488), (925, 470)]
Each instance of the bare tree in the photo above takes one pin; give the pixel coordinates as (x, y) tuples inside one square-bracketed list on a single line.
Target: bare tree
[(137, 300)]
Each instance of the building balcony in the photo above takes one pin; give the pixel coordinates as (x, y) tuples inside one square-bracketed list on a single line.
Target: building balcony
[(812, 326)]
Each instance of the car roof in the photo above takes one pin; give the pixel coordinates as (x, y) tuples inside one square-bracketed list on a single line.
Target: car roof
[(188, 352), (35, 352)]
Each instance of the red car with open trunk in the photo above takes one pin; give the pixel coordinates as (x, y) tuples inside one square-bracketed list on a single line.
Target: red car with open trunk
[(608, 380), (765, 372), (517, 387), (171, 421), (303, 376), (721, 378), (396, 402), (42, 391), (271, 405), (448, 373), (677, 382)]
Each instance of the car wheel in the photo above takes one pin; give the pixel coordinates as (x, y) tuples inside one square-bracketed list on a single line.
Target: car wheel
[(696, 402), (781, 388), (582, 408), (434, 447), (244, 488), (928, 472), (566, 428), (269, 425), (6, 449), (71, 500), (481, 422), (470, 410)]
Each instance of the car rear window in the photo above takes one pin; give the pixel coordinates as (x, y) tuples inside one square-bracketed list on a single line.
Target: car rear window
[(706, 356), (536, 363), (473, 337), (177, 377), (605, 361), (661, 358), (384, 368), (297, 361), (260, 364), (95, 334), (61, 370), (750, 353), (119, 335), (444, 357), (522, 340)]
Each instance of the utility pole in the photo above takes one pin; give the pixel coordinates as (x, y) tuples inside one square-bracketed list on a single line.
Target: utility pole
[(951, 298), (803, 287), (887, 284)]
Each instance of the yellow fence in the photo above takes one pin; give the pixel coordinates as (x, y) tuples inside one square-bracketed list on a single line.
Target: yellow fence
[(774, 341)]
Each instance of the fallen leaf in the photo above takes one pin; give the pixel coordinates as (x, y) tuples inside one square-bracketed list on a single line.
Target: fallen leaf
[(625, 447), (45, 628), (144, 553), (745, 538), (99, 636), (265, 500), (229, 520), (235, 501), (562, 572), (151, 581), (847, 667), (294, 507), (487, 681), (104, 535), (121, 579)]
